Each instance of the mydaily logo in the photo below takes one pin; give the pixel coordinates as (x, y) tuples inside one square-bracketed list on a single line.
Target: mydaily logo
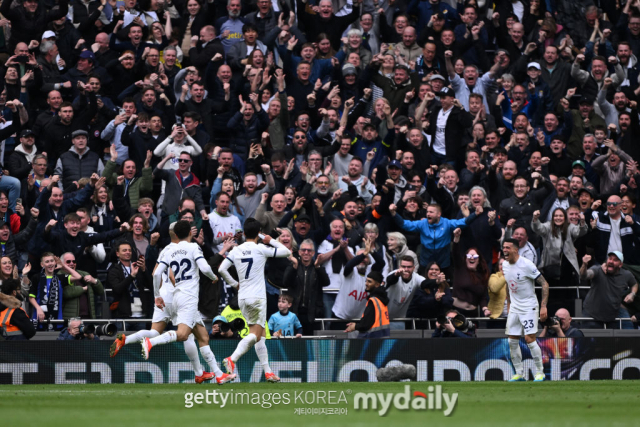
[(406, 400)]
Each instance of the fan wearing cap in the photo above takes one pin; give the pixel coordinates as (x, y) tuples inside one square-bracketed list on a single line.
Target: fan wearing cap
[(611, 286), (447, 126), (585, 120), (542, 89), (19, 162), (370, 141), (78, 162), (85, 66)]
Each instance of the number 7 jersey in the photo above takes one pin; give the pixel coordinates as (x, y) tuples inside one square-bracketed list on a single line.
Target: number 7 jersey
[(249, 259), (182, 258)]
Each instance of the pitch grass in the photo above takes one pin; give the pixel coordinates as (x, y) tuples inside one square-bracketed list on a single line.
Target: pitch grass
[(565, 403)]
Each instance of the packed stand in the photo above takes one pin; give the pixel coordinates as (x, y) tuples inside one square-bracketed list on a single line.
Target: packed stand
[(408, 138)]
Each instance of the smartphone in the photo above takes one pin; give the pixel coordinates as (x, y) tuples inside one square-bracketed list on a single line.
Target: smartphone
[(22, 59), (18, 201), (120, 111)]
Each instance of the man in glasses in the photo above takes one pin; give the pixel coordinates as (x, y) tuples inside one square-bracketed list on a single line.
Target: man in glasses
[(306, 279), (79, 295), (615, 231)]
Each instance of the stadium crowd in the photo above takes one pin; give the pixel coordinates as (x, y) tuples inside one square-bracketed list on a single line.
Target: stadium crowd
[(407, 137)]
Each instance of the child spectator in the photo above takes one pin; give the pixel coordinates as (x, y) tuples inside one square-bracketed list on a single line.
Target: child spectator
[(285, 323)]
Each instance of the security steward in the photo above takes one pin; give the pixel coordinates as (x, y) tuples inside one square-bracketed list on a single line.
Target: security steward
[(14, 322), (375, 319)]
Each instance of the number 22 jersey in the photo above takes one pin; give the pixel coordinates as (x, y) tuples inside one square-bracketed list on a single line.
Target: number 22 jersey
[(181, 258)]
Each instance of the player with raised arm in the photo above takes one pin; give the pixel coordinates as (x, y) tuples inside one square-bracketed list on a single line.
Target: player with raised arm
[(185, 260), (162, 315), (249, 259), (521, 276)]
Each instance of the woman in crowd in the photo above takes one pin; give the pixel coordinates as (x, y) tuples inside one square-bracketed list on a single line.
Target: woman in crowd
[(470, 280), (434, 297), (103, 216), (558, 262)]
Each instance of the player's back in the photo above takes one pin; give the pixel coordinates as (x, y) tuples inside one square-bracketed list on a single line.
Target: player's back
[(520, 278), (182, 260), (167, 288), (249, 259)]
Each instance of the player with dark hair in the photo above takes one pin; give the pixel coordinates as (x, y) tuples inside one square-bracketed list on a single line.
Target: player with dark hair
[(521, 276), (186, 261), (249, 259)]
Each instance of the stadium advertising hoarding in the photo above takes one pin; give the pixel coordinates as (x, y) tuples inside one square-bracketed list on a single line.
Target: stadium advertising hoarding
[(80, 362)]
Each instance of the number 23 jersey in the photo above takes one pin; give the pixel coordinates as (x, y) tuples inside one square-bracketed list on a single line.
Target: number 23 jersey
[(181, 258), (520, 278)]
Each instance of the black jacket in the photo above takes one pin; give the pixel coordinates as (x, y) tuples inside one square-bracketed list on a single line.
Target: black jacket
[(18, 165), (120, 285), (458, 122), (56, 136), (305, 284), (26, 26)]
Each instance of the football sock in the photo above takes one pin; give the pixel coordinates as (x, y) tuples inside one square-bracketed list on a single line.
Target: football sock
[(165, 338), (243, 346), (210, 358), (536, 353), (140, 335), (516, 355), (192, 353), (263, 355)]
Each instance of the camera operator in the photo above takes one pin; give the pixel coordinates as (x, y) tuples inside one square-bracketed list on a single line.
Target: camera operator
[(222, 329), (78, 331), (560, 326), (456, 326)]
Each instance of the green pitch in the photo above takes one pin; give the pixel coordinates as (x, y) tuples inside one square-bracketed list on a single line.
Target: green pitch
[(566, 403)]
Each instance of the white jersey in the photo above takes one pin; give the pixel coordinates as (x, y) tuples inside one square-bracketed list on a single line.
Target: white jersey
[(401, 294), (182, 258), (352, 297), (249, 259), (167, 289), (223, 226), (520, 278)]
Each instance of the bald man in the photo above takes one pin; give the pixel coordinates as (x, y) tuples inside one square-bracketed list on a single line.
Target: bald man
[(269, 220), (409, 49), (562, 327)]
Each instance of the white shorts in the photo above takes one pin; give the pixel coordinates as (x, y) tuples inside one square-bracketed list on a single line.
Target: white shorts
[(254, 310), (520, 324), (186, 312), (166, 314)]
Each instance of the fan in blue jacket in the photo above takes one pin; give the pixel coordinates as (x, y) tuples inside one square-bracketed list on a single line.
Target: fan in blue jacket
[(435, 233)]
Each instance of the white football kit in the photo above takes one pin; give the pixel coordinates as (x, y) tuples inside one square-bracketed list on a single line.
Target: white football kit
[(186, 261), (523, 312), (249, 259), (166, 314)]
